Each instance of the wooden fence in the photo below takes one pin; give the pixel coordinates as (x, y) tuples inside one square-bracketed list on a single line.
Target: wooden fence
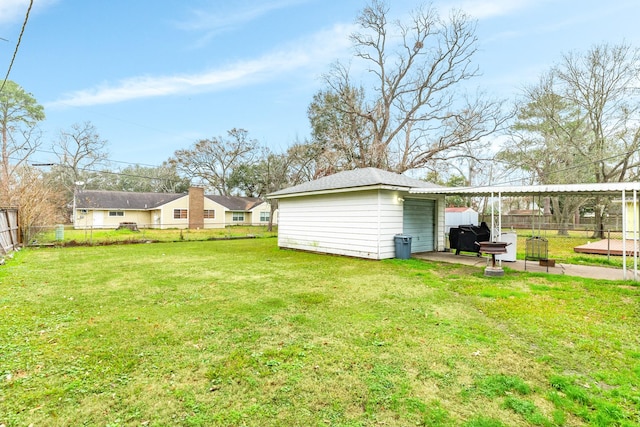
[(8, 230)]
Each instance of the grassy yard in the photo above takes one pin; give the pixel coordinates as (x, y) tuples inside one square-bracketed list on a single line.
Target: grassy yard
[(107, 236), (240, 333), (561, 248)]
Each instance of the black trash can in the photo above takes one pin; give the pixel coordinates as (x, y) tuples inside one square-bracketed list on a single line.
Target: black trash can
[(403, 246)]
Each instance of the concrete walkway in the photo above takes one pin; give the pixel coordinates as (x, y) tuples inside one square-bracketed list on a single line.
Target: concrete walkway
[(591, 272)]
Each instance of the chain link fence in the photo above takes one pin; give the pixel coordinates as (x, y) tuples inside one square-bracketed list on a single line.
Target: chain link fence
[(59, 234), (586, 225)]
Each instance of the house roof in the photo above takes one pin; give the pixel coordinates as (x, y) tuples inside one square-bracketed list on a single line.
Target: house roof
[(454, 209), (353, 180), (98, 199), (234, 203)]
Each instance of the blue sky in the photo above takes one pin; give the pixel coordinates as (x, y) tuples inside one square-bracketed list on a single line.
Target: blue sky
[(156, 76)]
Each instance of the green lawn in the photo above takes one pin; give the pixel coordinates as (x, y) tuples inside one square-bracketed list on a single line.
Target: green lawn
[(238, 332), (72, 237), (561, 248)]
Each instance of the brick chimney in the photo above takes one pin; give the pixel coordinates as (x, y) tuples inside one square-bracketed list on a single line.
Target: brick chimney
[(196, 208)]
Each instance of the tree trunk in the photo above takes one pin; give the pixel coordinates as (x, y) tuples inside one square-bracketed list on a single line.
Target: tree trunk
[(273, 206), (598, 228)]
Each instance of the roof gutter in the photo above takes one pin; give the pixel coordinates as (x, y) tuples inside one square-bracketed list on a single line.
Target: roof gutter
[(338, 190), (524, 190)]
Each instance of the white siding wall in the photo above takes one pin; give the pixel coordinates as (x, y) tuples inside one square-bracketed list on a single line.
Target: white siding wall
[(360, 224), (440, 223)]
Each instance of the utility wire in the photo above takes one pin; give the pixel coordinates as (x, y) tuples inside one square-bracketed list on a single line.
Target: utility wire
[(574, 166), (15, 52), (40, 150), (37, 163), (120, 173)]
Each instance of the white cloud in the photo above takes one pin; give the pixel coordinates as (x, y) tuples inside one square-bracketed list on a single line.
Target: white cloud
[(12, 11), (215, 22), (208, 20), (483, 9), (310, 53)]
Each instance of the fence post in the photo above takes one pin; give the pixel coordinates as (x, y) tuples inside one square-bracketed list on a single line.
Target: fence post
[(609, 245)]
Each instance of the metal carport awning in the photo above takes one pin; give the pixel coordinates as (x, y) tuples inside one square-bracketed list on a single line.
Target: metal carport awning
[(623, 189)]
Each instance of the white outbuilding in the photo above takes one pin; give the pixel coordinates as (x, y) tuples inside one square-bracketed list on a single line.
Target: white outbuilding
[(358, 213), (455, 216)]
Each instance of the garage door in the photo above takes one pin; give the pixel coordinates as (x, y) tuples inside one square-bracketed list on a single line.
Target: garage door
[(419, 222)]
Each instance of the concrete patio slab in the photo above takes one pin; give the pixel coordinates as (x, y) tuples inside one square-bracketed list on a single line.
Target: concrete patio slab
[(592, 272)]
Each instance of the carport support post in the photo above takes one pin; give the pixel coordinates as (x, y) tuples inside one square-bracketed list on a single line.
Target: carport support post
[(624, 235), (496, 230), (500, 217), (493, 221), (635, 234), (499, 224)]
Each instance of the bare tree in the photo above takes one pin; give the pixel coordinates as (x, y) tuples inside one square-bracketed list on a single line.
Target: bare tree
[(79, 150), (415, 110), (581, 123), (296, 166), (212, 161), (141, 179), (37, 202), (543, 143), (604, 84)]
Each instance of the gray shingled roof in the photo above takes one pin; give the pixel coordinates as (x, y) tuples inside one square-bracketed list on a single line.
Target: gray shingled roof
[(97, 199), (356, 178), (234, 203)]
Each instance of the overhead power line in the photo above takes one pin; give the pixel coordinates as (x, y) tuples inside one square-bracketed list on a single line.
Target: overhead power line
[(576, 166), (107, 160), (96, 171), (15, 52)]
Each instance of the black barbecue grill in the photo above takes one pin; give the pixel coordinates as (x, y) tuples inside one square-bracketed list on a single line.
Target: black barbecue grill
[(466, 238)]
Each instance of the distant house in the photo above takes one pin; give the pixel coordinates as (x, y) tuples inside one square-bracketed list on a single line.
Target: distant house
[(358, 213), (108, 209), (524, 218)]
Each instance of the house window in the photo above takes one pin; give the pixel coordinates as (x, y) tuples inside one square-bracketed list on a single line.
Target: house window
[(209, 214), (116, 213), (238, 217), (264, 216), (179, 214)]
